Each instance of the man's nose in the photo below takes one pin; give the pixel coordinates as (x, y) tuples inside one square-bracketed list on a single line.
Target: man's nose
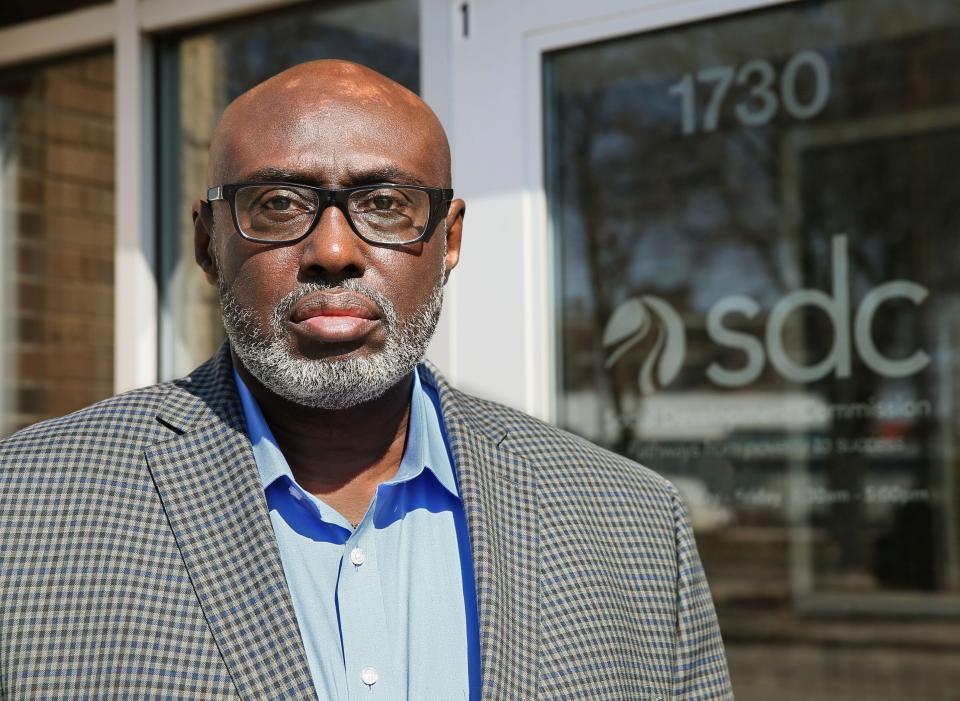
[(332, 249)]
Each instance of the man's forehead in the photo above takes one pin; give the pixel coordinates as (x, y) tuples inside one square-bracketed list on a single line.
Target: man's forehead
[(329, 128), (330, 144), (358, 169)]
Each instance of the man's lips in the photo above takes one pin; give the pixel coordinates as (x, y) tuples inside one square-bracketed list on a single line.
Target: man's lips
[(335, 316)]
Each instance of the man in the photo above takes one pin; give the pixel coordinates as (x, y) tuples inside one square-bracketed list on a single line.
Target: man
[(313, 513)]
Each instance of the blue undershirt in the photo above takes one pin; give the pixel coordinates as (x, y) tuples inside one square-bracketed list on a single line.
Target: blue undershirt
[(388, 610)]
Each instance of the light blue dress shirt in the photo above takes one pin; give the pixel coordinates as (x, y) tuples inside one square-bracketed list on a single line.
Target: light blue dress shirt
[(387, 611)]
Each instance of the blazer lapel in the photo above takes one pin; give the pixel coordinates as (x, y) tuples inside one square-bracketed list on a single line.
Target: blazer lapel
[(208, 482), (499, 497)]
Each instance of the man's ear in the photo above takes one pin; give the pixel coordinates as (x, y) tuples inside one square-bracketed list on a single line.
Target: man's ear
[(203, 240), (455, 214)]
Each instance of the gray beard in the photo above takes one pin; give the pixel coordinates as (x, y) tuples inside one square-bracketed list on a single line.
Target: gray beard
[(330, 383)]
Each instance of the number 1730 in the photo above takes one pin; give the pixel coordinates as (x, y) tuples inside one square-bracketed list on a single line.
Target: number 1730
[(764, 96)]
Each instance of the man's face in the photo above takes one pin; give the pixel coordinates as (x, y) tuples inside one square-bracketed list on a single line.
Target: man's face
[(330, 321)]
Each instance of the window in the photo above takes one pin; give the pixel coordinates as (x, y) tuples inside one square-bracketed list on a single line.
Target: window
[(200, 74)]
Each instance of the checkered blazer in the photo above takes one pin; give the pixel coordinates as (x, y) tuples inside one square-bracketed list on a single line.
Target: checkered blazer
[(137, 559)]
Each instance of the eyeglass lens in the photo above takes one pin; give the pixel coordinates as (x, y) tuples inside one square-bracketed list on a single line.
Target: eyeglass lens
[(285, 213)]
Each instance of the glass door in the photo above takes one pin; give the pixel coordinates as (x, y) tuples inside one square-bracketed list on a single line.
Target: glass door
[(742, 234)]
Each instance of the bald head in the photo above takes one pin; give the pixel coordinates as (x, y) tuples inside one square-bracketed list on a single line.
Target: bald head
[(326, 118)]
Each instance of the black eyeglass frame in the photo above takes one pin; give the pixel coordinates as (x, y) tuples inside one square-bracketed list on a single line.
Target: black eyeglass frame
[(439, 198)]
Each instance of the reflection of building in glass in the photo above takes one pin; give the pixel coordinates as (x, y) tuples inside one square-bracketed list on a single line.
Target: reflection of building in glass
[(797, 215)]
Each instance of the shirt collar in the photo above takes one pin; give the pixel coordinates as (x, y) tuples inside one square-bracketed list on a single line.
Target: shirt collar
[(426, 446)]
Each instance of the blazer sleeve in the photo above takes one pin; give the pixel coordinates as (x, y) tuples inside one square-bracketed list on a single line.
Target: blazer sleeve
[(700, 664)]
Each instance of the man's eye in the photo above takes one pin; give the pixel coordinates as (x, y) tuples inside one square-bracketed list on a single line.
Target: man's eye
[(380, 201), (279, 204), (281, 201), (384, 202)]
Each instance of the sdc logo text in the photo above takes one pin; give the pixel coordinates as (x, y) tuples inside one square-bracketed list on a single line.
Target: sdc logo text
[(852, 332)]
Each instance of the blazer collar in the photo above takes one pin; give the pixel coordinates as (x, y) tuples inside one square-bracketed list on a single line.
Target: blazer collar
[(209, 484)]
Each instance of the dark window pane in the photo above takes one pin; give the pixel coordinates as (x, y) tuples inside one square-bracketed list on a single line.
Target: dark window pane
[(200, 74)]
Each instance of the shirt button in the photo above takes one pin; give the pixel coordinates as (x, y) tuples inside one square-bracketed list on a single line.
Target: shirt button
[(357, 557), (369, 676)]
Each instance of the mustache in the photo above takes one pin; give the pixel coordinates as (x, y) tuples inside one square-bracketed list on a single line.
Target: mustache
[(285, 305)]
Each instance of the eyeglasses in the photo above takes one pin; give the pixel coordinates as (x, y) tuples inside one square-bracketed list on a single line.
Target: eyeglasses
[(268, 212)]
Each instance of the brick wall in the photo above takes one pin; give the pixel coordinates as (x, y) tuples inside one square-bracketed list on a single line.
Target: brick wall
[(57, 211)]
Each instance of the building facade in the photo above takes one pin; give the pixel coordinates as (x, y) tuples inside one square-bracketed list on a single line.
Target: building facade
[(716, 236)]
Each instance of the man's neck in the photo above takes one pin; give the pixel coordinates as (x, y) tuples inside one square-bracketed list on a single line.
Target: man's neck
[(340, 456)]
